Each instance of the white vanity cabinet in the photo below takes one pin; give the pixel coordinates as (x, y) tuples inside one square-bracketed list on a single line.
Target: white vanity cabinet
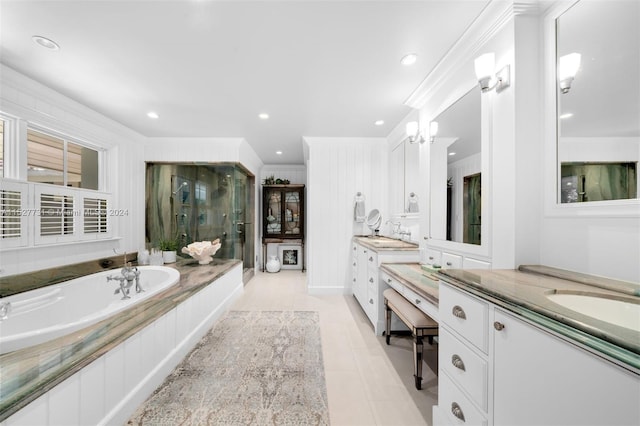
[(366, 285), (542, 379), (498, 369)]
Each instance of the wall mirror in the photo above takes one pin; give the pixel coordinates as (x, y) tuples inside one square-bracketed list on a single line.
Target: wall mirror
[(456, 172), (598, 101), (405, 177)]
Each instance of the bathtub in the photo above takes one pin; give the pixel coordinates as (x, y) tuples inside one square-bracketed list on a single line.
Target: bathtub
[(44, 314)]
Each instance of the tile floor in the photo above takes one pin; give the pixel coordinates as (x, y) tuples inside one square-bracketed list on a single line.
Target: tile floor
[(368, 382)]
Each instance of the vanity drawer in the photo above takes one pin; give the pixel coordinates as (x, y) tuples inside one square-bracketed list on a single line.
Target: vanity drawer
[(391, 282), (465, 315), (452, 261), (470, 263), (421, 303), (464, 366), (454, 405), (434, 257)]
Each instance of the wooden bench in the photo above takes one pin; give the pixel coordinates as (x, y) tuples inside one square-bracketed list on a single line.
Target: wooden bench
[(419, 323)]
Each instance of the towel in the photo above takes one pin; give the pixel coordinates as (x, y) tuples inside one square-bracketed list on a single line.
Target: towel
[(359, 213)]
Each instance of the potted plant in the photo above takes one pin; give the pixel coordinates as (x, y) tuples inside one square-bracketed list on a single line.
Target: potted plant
[(169, 250)]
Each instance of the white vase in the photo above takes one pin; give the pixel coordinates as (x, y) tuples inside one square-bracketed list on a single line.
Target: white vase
[(169, 256), (273, 264)]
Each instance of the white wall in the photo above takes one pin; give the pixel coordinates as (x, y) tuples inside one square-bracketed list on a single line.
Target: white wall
[(34, 103), (337, 169), (127, 152)]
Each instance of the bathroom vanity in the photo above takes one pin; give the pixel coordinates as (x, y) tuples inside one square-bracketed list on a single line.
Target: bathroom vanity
[(367, 253), (515, 348)]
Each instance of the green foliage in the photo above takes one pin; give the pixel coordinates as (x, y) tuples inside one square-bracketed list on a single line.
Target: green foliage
[(169, 245)]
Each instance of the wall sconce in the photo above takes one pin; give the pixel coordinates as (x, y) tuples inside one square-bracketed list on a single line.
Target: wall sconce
[(433, 131), (485, 68), (413, 132), (567, 68)]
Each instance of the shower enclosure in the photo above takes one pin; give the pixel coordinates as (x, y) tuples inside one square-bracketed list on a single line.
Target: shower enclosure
[(198, 202)]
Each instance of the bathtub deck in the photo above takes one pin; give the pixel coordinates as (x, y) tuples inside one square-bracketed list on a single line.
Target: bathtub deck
[(29, 373)]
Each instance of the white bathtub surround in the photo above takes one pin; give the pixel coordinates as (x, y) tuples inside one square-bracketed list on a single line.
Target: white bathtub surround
[(40, 315), (99, 375)]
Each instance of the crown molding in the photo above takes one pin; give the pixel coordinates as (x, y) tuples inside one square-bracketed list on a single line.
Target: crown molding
[(491, 20)]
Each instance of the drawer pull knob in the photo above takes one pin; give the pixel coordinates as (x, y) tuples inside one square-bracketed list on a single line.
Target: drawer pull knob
[(370, 280), (371, 301), (417, 301), (371, 259), (457, 411), (354, 263), (498, 325), (430, 257), (457, 362), (458, 312), (388, 280), (449, 263)]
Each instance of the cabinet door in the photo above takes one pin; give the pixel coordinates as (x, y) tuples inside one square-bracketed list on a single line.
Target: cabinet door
[(360, 285), (540, 379), (272, 212), (292, 212)]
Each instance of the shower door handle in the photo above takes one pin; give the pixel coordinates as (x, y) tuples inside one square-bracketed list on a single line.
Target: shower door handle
[(238, 230)]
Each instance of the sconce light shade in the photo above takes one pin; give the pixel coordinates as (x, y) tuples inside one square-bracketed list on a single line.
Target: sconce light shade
[(567, 68), (413, 132), (484, 66), (433, 130), (485, 72)]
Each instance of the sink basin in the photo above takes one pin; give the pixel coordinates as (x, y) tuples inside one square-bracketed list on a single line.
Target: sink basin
[(621, 311)]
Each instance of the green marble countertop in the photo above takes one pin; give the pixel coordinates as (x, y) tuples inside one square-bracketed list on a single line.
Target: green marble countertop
[(525, 292), (411, 275), (28, 373), (382, 243)]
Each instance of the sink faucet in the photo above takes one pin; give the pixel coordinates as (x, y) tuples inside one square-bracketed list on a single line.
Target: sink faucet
[(396, 226), (128, 275), (404, 231)]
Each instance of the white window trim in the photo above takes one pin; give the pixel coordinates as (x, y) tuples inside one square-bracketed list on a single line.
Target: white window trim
[(23, 189)]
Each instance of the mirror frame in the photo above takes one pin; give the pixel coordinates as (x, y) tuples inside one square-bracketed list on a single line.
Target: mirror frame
[(482, 249), (551, 175)]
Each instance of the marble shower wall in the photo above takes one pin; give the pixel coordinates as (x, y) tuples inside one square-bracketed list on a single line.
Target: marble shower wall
[(188, 203)]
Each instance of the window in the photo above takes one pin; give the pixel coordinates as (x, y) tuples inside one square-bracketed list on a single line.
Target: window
[(57, 161)]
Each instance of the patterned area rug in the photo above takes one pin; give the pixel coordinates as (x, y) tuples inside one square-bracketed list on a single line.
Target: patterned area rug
[(252, 368)]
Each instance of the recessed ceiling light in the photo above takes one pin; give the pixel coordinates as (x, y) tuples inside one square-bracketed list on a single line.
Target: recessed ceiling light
[(279, 152), (263, 116), (452, 153), (45, 42), (409, 59), (567, 115), (379, 122), (153, 115)]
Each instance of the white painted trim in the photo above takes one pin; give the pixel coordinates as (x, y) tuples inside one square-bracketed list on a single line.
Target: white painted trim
[(552, 207)]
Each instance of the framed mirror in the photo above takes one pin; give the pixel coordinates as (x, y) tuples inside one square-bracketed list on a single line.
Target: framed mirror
[(405, 177), (456, 172), (597, 62)]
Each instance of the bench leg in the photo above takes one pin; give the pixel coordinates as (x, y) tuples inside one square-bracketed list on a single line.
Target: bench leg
[(417, 358), (387, 316)]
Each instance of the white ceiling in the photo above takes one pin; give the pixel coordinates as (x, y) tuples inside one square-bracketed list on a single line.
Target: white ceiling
[(208, 68)]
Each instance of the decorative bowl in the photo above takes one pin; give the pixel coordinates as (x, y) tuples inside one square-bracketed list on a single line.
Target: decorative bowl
[(202, 251)]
